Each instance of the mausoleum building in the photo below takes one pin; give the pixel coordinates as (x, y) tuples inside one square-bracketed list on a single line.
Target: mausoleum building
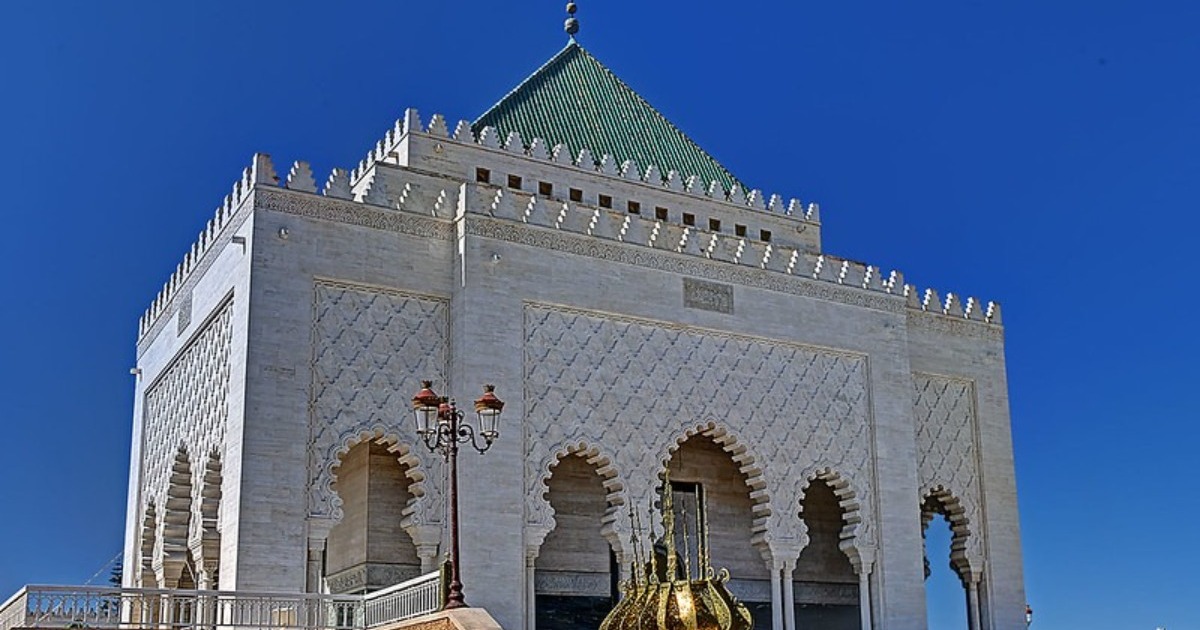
[(637, 306)]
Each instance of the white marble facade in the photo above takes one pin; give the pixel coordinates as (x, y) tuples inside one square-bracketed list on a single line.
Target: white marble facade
[(304, 319)]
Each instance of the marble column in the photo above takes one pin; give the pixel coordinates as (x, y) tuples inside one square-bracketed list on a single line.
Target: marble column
[(864, 598), (777, 596), (973, 603), (314, 567), (789, 595)]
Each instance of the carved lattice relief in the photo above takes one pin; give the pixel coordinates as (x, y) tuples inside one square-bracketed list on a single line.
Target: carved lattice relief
[(947, 452), (636, 389), (186, 411), (371, 347)]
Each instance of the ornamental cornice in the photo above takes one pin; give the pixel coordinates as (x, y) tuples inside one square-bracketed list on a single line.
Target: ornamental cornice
[(353, 213), (593, 247), (955, 327)]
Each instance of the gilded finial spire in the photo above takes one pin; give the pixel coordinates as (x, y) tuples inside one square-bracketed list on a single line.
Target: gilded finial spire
[(571, 26)]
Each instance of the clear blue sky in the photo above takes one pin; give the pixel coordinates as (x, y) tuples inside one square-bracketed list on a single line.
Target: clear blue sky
[(1043, 154)]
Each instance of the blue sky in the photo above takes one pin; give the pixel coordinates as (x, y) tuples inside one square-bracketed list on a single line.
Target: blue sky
[(1043, 154)]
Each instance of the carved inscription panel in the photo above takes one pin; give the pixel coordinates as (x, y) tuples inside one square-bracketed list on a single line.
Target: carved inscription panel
[(632, 388), (708, 296), (371, 347)]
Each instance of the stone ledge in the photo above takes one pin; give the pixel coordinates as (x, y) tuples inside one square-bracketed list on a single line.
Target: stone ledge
[(460, 619)]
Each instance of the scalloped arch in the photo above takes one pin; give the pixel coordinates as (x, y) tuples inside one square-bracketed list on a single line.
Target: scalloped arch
[(610, 478), (146, 577), (855, 536), (377, 434), (171, 553), (748, 465), (940, 500)]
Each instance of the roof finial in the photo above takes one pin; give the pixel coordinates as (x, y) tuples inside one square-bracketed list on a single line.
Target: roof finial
[(571, 26)]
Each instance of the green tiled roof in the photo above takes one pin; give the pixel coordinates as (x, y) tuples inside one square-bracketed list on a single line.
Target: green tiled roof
[(576, 101)]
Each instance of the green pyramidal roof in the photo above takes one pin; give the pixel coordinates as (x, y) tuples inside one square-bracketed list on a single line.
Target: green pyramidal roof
[(576, 101)]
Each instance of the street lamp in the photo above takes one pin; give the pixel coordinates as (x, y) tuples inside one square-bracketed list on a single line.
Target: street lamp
[(1028, 615), (441, 426)]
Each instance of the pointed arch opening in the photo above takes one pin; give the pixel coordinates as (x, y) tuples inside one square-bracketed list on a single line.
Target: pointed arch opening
[(369, 548), (576, 570)]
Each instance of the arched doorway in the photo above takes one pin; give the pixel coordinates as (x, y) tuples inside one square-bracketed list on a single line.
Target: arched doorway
[(825, 584), (575, 573), (368, 549), (705, 478)]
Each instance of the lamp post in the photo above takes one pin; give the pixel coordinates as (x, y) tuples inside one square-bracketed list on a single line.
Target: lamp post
[(1028, 615), (442, 427)]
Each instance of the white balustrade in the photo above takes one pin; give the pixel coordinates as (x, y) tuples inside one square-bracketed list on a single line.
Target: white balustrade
[(151, 609), (416, 597)]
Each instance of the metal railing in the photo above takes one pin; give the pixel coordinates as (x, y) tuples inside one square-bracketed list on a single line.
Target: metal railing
[(152, 609), (418, 596)]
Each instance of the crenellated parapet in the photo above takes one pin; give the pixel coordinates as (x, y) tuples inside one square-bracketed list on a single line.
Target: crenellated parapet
[(388, 150), (385, 179), (260, 171), (953, 306)]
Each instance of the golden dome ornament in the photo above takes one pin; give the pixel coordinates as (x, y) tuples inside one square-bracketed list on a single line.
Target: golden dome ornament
[(671, 599)]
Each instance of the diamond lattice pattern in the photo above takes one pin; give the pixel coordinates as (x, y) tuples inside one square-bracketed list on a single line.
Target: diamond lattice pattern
[(633, 388), (944, 409), (371, 347), (187, 408)]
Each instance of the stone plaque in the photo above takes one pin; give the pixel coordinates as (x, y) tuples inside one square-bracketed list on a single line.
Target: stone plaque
[(708, 296), (572, 583)]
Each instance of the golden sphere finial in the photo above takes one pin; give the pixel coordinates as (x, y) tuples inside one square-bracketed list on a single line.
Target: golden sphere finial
[(571, 26)]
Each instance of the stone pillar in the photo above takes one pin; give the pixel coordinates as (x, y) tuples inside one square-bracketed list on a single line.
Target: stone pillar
[(789, 595), (531, 555), (318, 539), (973, 620), (864, 598), (534, 535), (314, 568), (777, 596), (206, 556), (863, 559)]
